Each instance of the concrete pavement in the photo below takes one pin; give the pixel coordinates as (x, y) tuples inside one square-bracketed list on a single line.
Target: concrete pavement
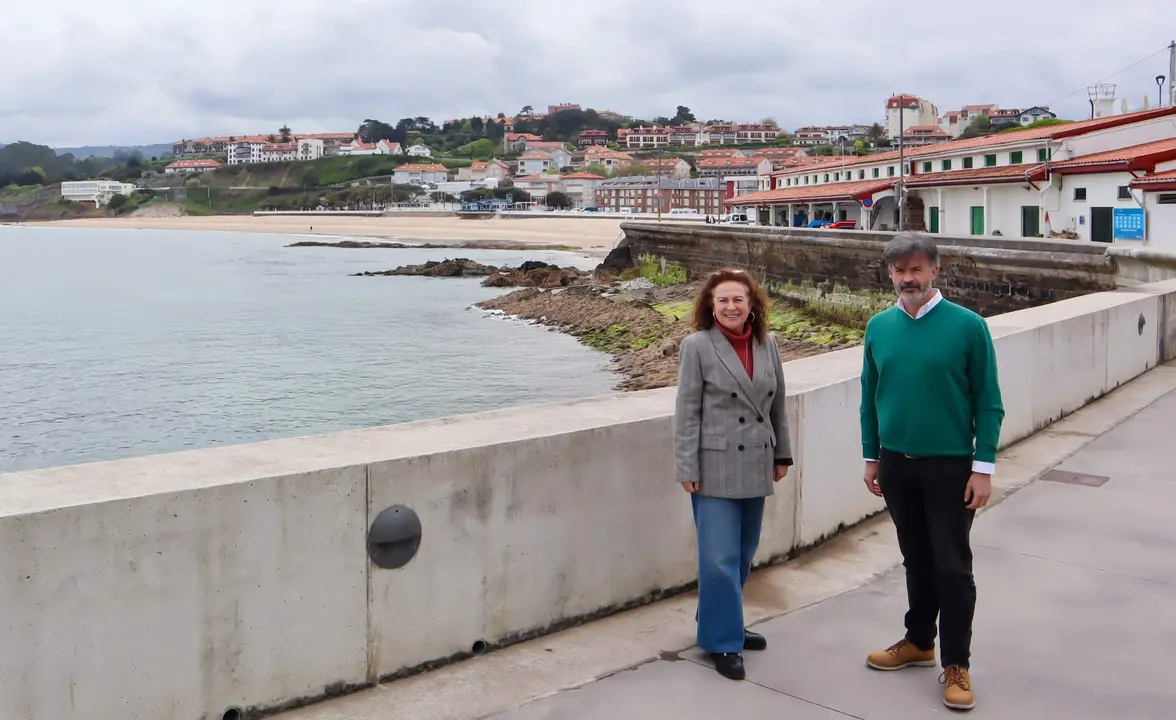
[(1076, 615), (1074, 582)]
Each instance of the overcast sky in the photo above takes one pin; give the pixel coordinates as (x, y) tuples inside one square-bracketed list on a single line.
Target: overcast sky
[(148, 71)]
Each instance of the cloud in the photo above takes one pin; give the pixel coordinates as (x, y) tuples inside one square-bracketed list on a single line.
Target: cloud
[(139, 71)]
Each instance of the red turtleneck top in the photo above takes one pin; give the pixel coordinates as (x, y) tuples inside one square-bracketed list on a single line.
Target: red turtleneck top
[(741, 342)]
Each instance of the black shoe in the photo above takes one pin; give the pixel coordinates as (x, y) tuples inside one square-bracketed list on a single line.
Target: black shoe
[(729, 665), (754, 641)]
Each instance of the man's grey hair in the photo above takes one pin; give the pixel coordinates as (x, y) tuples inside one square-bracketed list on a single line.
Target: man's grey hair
[(907, 244)]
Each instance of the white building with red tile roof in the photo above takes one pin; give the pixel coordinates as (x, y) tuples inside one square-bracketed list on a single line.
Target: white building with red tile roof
[(188, 165), (912, 110), (483, 169), (420, 174), (1099, 180)]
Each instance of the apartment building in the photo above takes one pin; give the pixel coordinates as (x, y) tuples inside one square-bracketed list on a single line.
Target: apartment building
[(1106, 180), (483, 170), (673, 168), (592, 137), (694, 134), (651, 194), (909, 111), (722, 167), (420, 174), (188, 165), (922, 135)]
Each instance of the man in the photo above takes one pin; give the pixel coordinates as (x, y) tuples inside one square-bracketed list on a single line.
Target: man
[(931, 413)]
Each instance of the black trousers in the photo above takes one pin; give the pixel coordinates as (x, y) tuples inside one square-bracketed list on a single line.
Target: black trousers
[(925, 497)]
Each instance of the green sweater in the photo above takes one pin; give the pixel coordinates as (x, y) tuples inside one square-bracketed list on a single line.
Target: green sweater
[(929, 386)]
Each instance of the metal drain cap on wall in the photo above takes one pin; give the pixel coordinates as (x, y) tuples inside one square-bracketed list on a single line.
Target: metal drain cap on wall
[(394, 537)]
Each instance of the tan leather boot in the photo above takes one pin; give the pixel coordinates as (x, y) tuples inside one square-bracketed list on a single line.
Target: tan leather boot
[(900, 655), (957, 688)]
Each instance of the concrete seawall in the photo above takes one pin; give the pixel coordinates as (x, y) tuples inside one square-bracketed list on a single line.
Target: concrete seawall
[(182, 585), (990, 275)]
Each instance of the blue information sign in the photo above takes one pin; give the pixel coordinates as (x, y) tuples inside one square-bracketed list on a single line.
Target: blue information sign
[(1129, 223)]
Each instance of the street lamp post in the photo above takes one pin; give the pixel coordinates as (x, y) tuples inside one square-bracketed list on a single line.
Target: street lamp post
[(901, 162), (1160, 90)]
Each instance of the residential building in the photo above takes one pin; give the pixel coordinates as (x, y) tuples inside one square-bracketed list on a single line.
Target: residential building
[(592, 137), (420, 174), (220, 145), (643, 137), (380, 147), (921, 135), (955, 122), (516, 142), (1017, 116), (534, 162), (674, 168), (757, 133), (722, 134), (420, 150), (553, 109), (721, 167), (483, 169), (1035, 113), (539, 185), (811, 135), (910, 110), (1110, 179), (610, 160), (245, 151), (94, 192), (650, 194), (560, 156), (580, 187), (188, 165), (310, 148), (721, 152), (279, 152)]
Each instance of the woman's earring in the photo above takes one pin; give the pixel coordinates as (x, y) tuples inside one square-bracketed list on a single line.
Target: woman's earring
[(751, 316)]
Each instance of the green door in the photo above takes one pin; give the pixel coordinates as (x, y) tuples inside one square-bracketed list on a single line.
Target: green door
[(977, 220), (933, 221), (1102, 228), (1030, 221)]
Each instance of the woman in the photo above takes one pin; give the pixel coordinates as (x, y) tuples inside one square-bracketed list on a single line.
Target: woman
[(731, 446)]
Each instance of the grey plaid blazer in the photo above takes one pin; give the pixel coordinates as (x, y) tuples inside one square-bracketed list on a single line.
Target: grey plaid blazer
[(728, 428)]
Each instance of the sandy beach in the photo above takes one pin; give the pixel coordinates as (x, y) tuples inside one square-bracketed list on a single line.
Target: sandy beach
[(597, 235)]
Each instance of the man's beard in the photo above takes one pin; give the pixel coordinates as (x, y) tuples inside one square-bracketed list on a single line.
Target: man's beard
[(923, 294)]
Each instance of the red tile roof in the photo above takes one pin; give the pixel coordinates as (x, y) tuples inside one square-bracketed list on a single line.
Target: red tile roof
[(422, 167), (1016, 137), (195, 163), (814, 193), (582, 176), (722, 162), (1158, 181), (1135, 157), (979, 176)]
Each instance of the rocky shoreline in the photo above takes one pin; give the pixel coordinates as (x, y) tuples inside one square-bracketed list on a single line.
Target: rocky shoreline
[(638, 320), (455, 245), (641, 326), (533, 274)]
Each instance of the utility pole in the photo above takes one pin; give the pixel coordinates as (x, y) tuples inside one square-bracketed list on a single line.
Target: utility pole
[(900, 194), (1172, 74)]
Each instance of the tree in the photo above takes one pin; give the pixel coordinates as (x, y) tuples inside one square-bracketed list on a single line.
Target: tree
[(876, 133), (771, 121), (683, 116), (982, 125), (527, 110), (557, 199), (598, 169), (117, 201), (284, 132)]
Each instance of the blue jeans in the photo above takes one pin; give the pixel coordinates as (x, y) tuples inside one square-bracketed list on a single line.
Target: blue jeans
[(728, 535)]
